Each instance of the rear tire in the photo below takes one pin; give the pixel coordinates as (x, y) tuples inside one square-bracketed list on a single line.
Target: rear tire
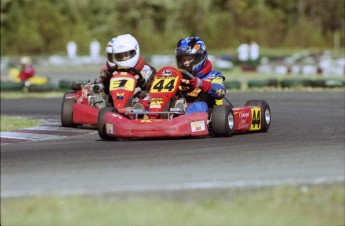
[(265, 113), (67, 113), (101, 124), (222, 121)]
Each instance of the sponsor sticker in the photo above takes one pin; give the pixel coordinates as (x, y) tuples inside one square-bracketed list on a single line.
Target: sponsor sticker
[(109, 128), (150, 120), (167, 72), (256, 119), (198, 126)]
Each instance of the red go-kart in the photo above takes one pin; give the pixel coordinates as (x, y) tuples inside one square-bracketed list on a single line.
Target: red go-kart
[(165, 116), (82, 106)]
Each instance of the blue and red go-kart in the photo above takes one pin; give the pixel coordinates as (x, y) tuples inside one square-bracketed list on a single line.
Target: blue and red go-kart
[(81, 106), (166, 116)]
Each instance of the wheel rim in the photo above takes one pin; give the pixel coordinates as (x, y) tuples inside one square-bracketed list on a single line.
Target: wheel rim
[(267, 116), (231, 121)]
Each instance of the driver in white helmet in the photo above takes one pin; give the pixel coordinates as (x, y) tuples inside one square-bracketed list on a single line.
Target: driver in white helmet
[(123, 52)]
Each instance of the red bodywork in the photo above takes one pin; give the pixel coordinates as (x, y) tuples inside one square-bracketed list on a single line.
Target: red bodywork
[(247, 118), (83, 113), (181, 126), (121, 88), (159, 121)]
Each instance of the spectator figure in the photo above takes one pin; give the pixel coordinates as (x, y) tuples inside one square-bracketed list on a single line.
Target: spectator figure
[(95, 47), (27, 71), (254, 51), (72, 49), (243, 52)]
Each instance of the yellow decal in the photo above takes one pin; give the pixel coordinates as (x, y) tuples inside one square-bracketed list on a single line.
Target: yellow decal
[(217, 80), (256, 119), (220, 102), (145, 120), (195, 92), (85, 92), (157, 101), (122, 82), (163, 84), (150, 120)]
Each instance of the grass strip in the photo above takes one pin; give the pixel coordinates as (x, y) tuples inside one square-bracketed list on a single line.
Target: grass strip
[(282, 205), (13, 123), (21, 95)]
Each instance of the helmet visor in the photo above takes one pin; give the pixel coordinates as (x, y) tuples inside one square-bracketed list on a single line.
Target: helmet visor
[(185, 61), (125, 55), (111, 57)]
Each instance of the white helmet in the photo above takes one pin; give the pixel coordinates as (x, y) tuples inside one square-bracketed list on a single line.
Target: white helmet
[(126, 51), (110, 53), (25, 60)]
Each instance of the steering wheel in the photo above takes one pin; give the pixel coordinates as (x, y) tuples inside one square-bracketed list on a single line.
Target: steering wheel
[(186, 88), (186, 74), (131, 69)]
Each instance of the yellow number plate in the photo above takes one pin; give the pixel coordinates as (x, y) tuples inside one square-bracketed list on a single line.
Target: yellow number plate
[(164, 84), (256, 119), (122, 83)]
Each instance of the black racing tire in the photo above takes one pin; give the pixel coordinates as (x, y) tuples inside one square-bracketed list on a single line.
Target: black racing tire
[(222, 121), (266, 113), (67, 113), (101, 124)]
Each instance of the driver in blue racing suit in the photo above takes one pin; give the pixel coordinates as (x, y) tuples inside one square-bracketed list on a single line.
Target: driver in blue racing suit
[(207, 84)]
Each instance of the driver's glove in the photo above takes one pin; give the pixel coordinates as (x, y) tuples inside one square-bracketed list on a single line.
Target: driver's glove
[(197, 82)]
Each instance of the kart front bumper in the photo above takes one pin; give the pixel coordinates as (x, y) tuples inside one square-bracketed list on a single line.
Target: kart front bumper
[(182, 126)]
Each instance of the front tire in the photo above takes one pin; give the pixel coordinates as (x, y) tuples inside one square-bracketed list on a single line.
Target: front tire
[(222, 121), (101, 124)]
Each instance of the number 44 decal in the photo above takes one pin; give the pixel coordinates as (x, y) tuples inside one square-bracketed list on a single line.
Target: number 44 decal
[(256, 119), (164, 84)]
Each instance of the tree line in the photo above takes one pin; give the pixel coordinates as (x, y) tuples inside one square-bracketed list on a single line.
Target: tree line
[(42, 27)]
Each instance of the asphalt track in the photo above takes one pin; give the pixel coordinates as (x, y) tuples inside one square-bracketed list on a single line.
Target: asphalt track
[(305, 144)]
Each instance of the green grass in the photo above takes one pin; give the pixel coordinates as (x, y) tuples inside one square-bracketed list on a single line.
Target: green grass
[(22, 95), (296, 205), (14, 123)]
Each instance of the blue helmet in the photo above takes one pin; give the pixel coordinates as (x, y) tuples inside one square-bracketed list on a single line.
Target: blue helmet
[(194, 50)]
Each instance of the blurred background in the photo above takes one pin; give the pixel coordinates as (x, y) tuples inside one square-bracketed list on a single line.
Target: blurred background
[(288, 32)]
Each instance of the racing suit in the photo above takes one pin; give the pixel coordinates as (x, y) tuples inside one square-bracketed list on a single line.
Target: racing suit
[(210, 92)]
